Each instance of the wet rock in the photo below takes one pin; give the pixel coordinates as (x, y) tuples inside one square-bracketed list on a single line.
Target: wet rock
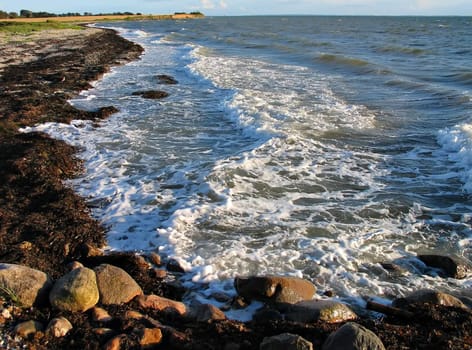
[(394, 269), (105, 332), (100, 315), (155, 302), (155, 259), (318, 310), (274, 288), (25, 329), (59, 327), (149, 337), (151, 94), (115, 285), (353, 336), (75, 291), (174, 266), (454, 267), (430, 297), (166, 79), (206, 313), (286, 341), (24, 285)]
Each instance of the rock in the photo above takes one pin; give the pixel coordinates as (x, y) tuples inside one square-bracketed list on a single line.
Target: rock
[(166, 79), (100, 315), (160, 273), (429, 296), (59, 327), (75, 265), (155, 259), (115, 343), (353, 336), (133, 315), (394, 269), (115, 285), (285, 341), (106, 332), (275, 288), (151, 94), (318, 310), (75, 291), (25, 329), (266, 315), (454, 267), (88, 250), (24, 285), (206, 313), (174, 266), (149, 337), (155, 302)]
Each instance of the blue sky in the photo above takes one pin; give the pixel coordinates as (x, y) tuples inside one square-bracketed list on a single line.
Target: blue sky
[(250, 7)]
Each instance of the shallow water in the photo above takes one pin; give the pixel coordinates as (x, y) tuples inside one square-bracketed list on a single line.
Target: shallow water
[(308, 146)]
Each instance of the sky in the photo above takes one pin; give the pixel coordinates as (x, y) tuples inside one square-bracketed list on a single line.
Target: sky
[(250, 7)]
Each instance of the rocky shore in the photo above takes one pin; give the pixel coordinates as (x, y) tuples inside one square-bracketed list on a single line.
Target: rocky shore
[(59, 290)]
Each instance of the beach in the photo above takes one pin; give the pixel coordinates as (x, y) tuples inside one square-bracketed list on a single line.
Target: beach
[(45, 225)]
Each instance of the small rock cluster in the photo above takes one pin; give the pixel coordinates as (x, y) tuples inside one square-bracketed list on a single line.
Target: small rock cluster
[(93, 290)]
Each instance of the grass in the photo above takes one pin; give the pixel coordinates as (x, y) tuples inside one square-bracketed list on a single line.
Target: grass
[(9, 295), (30, 27)]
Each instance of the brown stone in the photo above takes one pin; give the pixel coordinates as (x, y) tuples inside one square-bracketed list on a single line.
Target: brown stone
[(429, 296), (59, 327), (25, 329), (278, 289), (150, 337), (160, 273), (115, 343), (115, 285), (318, 310), (155, 259), (455, 267), (207, 313), (24, 285), (155, 302), (100, 315)]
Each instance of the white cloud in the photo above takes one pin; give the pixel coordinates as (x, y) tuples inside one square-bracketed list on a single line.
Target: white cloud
[(223, 4)]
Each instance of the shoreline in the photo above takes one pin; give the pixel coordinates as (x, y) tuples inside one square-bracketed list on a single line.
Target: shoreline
[(45, 225)]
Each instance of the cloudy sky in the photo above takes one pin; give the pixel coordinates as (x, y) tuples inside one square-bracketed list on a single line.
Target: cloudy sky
[(250, 7)]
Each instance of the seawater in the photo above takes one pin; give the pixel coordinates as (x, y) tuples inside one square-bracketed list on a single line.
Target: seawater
[(316, 147)]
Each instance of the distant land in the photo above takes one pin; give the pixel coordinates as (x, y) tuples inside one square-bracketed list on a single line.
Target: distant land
[(29, 16)]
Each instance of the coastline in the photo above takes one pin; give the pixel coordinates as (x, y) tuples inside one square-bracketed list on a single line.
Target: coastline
[(44, 225)]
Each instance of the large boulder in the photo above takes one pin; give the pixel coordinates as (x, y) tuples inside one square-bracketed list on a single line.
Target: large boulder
[(454, 267), (318, 310), (115, 285), (429, 297), (278, 289), (285, 341), (75, 291), (26, 285), (353, 336)]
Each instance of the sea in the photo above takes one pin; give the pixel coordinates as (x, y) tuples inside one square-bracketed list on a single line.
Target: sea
[(311, 146)]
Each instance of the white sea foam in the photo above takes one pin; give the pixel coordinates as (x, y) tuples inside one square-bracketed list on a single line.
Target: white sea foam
[(457, 141), (251, 167)]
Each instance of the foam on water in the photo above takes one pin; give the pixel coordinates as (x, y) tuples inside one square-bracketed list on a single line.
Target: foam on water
[(457, 141), (254, 167)]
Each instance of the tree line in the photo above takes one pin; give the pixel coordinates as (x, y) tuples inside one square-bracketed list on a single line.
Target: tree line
[(43, 14)]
